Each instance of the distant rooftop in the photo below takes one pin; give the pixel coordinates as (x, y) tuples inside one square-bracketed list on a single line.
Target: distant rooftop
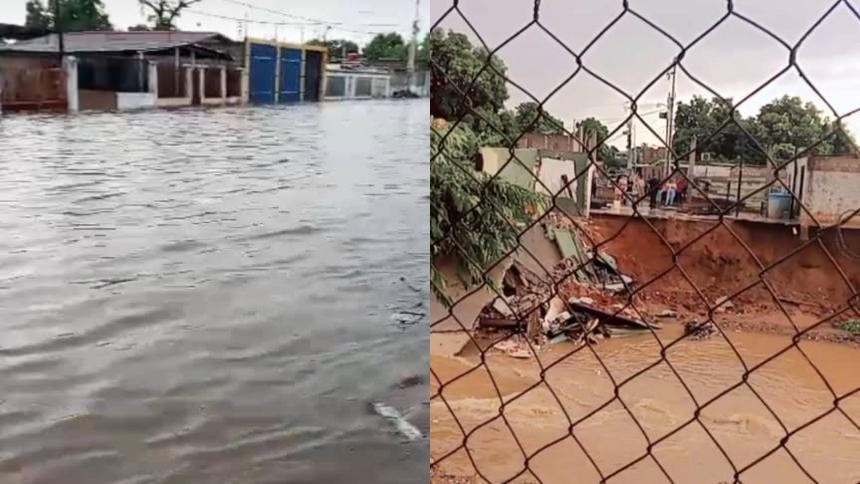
[(122, 42)]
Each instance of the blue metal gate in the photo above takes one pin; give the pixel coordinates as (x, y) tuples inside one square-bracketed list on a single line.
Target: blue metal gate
[(262, 73), (291, 75)]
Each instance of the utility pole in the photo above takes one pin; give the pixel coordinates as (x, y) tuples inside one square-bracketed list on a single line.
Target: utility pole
[(630, 143), (670, 118), (410, 66), (59, 28)]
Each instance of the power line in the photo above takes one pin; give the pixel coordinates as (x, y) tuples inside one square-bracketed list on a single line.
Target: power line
[(274, 23), (314, 21)]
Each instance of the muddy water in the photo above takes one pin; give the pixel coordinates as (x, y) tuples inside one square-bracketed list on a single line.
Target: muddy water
[(738, 421), (207, 296)]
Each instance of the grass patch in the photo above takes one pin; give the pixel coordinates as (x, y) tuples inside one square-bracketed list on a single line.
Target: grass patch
[(851, 325)]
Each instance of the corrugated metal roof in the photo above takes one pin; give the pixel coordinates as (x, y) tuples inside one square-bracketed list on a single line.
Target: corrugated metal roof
[(115, 41)]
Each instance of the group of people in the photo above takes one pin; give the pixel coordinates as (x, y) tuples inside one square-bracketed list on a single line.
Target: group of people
[(672, 192)]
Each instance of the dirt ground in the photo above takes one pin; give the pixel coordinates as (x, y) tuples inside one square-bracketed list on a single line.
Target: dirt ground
[(680, 264)]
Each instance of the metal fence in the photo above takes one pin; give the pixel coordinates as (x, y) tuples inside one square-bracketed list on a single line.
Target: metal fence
[(529, 456), (32, 84)]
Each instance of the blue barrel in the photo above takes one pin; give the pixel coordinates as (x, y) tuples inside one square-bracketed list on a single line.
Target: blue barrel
[(778, 204)]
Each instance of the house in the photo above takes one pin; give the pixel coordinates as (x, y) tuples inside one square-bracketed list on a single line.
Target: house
[(108, 70)]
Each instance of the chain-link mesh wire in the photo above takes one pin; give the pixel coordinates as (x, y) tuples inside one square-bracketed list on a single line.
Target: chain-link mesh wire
[(529, 455)]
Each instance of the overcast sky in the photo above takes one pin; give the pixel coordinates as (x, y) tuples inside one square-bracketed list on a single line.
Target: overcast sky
[(358, 19), (733, 60)]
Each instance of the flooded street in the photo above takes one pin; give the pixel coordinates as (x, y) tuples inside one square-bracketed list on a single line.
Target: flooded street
[(742, 425), (212, 296)]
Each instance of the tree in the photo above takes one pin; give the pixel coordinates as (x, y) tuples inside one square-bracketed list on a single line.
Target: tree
[(473, 217), (544, 123), (139, 28), (782, 127), (454, 63), (493, 128), (788, 124), (606, 152), (337, 48), (386, 46), (165, 12), (37, 15), (423, 54), (75, 15)]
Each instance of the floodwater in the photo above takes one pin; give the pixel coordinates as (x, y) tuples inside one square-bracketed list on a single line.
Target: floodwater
[(209, 296), (741, 425)]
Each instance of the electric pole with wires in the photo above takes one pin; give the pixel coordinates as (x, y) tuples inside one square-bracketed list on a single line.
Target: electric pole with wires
[(413, 45)]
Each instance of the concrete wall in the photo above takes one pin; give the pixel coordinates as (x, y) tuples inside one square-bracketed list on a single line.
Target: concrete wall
[(831, 189), (551, 172), (70, 66), (131, 101), (558, 142), (340, 85), (520, 171), (92, 100)]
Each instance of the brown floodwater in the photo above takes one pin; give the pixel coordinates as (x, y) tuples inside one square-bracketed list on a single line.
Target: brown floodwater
[(738, 422), (213, 296)]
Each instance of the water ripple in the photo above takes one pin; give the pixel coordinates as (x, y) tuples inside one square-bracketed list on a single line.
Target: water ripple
[(200, 296)]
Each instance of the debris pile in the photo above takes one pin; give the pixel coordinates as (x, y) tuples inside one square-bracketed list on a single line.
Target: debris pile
[(582, 300), (700, 330)]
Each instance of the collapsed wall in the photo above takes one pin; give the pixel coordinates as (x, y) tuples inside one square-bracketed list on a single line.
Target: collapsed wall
[(722, 259)]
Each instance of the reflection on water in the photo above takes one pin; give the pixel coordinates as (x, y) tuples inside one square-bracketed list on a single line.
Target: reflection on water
[(207, 296)]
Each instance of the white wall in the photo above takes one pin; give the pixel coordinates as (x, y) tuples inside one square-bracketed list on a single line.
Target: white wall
[(128, 101), (551, 171), (70, 65), (831, 189)]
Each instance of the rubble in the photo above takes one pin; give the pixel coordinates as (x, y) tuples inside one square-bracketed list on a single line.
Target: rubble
[(699, 331), (667, 313), (723, 305), (582, 299)]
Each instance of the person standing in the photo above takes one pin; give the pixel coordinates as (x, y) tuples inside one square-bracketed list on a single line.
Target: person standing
[(682, 190), (670, 188), (653, 189)]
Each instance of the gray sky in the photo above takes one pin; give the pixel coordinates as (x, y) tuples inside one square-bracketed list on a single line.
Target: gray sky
[(733, 60), (354, 16)]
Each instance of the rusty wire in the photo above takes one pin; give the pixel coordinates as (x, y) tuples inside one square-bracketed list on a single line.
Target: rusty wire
[(724, 214)]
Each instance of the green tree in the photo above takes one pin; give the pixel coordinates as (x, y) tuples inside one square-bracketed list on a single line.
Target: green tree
[(787, 124), (781, 127), (75, 15), (694, 119), (475, 234), (337, 48), (165, 12), (606, 152), (424, 50), (454, 63), (37, 16), (544, 123), (386, 46), (493, 128)]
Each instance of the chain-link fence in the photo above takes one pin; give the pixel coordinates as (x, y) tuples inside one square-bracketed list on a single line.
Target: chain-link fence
[(482, 243)]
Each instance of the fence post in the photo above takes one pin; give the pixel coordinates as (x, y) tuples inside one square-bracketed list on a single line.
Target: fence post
[(740, 183), (152, 75), (70, 72), (223, 84)]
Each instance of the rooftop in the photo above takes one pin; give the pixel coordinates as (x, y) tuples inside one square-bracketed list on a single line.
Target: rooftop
[(122, 42)]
